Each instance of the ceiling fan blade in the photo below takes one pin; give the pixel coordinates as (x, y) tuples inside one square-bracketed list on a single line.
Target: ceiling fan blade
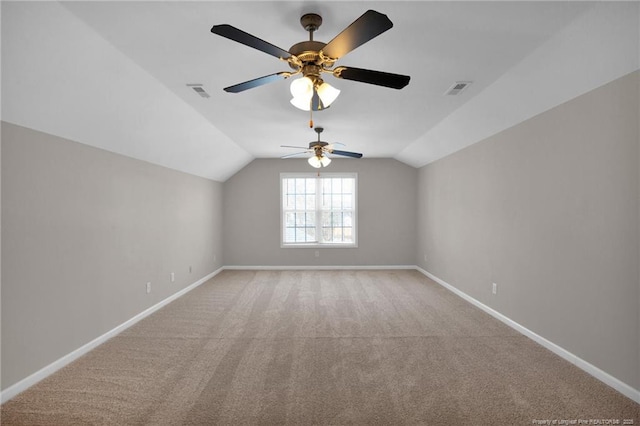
[(368, 26), (346, 153), (241, 87), (395, 81), (233, 33), (297, 153), (291, 146)]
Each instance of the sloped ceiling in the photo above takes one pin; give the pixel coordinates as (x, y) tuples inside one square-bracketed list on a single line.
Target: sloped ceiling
[(114, 74)]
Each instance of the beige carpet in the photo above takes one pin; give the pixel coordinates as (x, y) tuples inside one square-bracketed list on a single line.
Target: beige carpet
[(318, 347)]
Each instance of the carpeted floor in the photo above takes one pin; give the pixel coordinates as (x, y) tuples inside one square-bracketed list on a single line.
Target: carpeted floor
[(319, 347)]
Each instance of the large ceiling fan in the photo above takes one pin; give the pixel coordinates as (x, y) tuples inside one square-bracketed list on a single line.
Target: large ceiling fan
[(312, 58), (320, 149)]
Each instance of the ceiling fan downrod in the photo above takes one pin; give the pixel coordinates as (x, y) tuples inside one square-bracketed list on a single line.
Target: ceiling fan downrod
[(311, 22)]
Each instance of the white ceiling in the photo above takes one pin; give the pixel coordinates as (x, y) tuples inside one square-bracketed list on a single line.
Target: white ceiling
[(114, 74)]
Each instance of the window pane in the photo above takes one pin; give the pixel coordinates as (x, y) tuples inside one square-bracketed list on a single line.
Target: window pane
[(289, 234), (326, 235), (311, 186), (347, 201), (326, 219), (347, 219), (336, 202), (311, 202), (336, 186), (347, 185), (289, 219), (347, 235), (336, 219), (326, 185), (311, 234)]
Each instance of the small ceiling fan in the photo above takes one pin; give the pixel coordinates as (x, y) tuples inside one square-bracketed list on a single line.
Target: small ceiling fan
[(320, 149), (312, 58)]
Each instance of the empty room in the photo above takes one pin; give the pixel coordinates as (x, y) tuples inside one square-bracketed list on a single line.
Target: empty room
[(327, 213)]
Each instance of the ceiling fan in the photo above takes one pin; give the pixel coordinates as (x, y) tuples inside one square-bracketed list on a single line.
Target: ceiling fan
[(320, 149), (312, 58)]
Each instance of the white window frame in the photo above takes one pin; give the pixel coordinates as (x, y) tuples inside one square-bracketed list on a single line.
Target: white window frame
[(318, 210)]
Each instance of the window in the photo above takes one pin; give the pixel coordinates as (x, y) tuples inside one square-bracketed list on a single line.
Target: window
[(318, 210)]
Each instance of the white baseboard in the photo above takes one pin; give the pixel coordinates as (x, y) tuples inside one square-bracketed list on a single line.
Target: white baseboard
[(591, 369), (316, 267), (44, 372), (604, 377)]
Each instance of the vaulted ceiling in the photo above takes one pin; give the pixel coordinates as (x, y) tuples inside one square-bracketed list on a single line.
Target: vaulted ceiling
[(115, 75)]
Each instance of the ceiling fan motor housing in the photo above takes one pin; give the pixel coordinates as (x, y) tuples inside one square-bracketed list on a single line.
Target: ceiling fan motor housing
[(307, 51), (317, 144)]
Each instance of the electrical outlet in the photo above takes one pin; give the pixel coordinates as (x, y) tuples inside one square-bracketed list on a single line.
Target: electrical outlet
[(149, 287), (494, 288), (215, 257), (189, 269), (173, 277), (425, 257)]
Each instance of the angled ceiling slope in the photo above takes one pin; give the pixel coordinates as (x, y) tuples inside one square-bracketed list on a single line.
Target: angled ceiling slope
[(114, 74)]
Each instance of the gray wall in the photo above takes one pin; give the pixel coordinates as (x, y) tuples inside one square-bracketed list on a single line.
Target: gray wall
[(386, 215), (83, 230), (548, 210)]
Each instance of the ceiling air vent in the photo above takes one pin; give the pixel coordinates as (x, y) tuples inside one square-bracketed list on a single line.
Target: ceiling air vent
[(457, 88), (199, 90)]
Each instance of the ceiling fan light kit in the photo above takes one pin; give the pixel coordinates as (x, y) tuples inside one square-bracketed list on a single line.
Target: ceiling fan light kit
[(327, 93), (303, 90), (301, 103), (310, 59), (318, 161)]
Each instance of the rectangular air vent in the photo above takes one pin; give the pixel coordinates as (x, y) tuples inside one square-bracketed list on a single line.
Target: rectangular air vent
[(457, 88), (199, 90)]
